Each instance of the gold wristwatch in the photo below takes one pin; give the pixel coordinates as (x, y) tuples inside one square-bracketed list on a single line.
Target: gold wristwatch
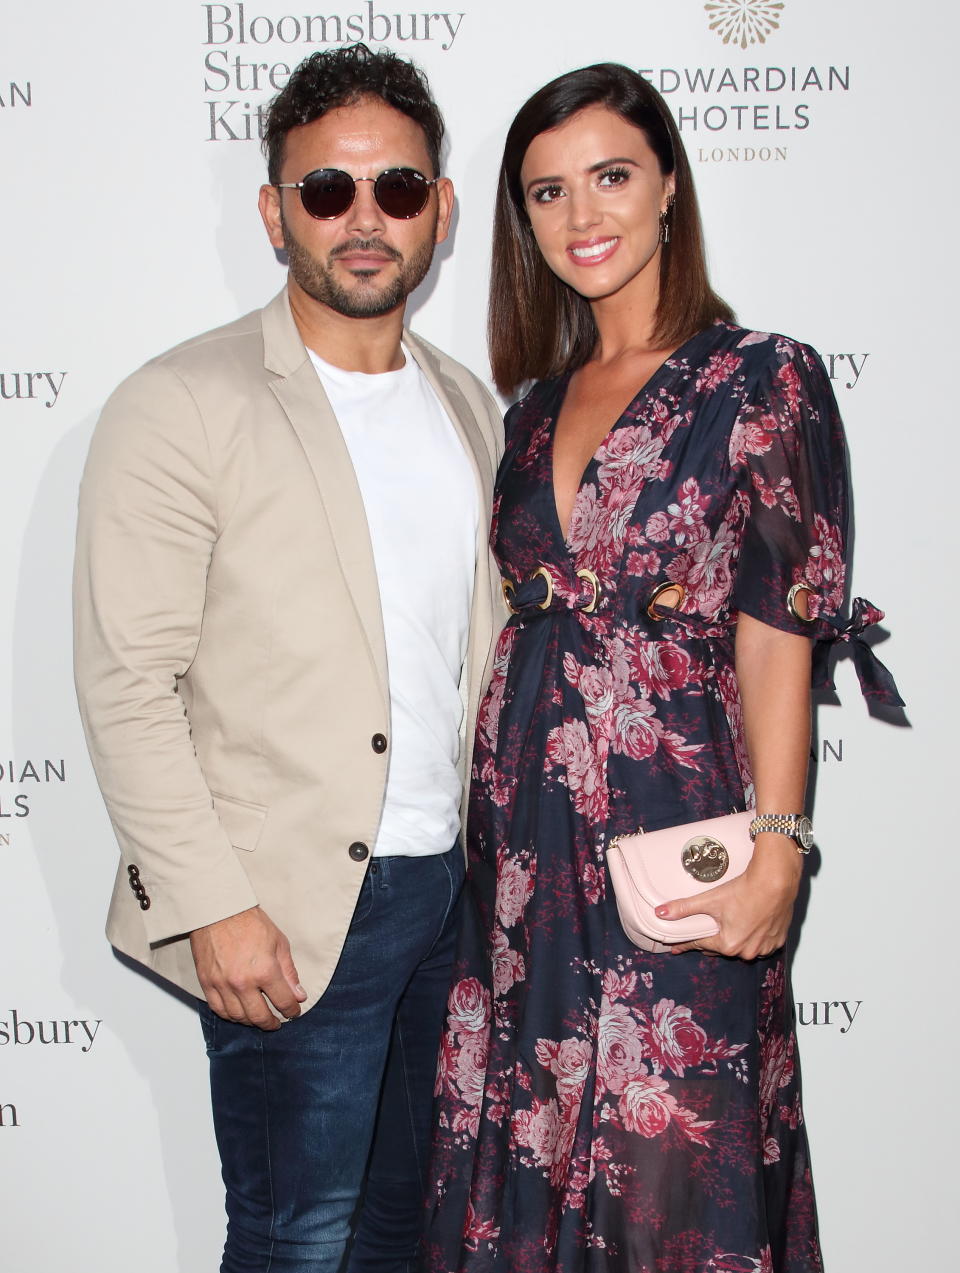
[(797, 826)]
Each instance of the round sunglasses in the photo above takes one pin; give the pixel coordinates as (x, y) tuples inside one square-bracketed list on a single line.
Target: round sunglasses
[(326, 193)]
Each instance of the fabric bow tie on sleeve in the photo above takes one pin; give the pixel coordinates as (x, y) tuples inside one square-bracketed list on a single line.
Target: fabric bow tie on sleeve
[(876, 681)]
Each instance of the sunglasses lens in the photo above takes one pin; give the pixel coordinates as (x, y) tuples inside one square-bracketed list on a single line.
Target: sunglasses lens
[(327, 193), (401, 192)]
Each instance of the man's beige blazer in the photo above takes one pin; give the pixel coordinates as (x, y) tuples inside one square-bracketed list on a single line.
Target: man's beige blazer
[(229, 647)]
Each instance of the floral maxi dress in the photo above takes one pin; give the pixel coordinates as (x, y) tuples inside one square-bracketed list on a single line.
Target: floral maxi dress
[(599, 1107)]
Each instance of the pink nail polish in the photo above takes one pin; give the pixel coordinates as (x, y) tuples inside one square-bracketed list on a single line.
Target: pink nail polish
[(662, 911)]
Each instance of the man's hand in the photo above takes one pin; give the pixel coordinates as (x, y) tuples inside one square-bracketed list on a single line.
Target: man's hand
[(244, 961)]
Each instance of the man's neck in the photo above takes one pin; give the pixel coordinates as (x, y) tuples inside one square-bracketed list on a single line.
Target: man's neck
[(371, 345)]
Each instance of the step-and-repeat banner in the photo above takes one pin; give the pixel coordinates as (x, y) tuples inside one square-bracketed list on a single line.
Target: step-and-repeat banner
[(822, 135)]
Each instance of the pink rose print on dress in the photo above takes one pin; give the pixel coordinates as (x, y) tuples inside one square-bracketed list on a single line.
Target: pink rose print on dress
[(704, 570), (631, 456), (729, 689), (514, 890), (637, 733), (665, 416), (570, 747), (596, 688), (685, 517), (594, 884), (464, 1049), (789, 379), (620, 1046), (508, 965), (719, 369), (471, 1067), (546, 1133), (752, 434), (661, 666), (824, 569), (776, 1072), (682, 522), (476, 1231), (635, 728), (782, 495), (646, 1105), (583, 533), (492, 705), (570, 1061), (538, 444), (676, 1041), (643, 563), (468, 1007)]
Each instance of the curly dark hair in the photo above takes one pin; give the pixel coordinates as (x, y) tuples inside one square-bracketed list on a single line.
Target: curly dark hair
[(339, 77)]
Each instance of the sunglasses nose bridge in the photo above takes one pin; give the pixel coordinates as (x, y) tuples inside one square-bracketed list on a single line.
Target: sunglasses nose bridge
[(364, 211)]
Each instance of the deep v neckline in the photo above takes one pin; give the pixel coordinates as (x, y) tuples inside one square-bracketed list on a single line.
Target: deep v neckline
[(563, 385)]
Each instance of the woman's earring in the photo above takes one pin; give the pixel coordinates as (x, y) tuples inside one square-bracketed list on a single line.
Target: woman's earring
[(665, 223)]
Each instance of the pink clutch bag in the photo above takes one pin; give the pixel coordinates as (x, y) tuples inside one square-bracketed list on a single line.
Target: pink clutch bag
[(653, 867)]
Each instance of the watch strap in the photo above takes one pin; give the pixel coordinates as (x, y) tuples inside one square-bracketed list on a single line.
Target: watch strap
[(787, 824)]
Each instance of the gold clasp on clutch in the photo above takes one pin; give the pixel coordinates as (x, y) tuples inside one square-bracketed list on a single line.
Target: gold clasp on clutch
[(705, 859)]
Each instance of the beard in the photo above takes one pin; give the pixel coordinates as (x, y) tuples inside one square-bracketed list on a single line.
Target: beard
[(366, 298)]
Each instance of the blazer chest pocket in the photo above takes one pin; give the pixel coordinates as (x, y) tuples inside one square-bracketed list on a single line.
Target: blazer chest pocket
[(241, 820)]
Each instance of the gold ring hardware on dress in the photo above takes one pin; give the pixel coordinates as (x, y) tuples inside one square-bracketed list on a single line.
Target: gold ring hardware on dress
[(792, 595), (591, 578), (545, 573), (508, 589), (661, 590), (705, 859)]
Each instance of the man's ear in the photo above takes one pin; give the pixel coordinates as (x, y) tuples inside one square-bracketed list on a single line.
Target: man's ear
[(445, 200), (269, 204)]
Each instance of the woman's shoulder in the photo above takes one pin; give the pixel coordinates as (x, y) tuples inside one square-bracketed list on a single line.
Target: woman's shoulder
[(538, 402), (757, 348), (756, 364)]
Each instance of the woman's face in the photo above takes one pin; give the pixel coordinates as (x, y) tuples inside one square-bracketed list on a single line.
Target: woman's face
[(594, 192)]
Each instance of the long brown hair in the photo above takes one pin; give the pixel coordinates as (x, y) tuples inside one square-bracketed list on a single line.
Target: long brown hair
[(537, 325)]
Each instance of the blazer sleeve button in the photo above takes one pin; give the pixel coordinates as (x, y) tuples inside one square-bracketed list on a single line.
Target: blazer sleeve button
[(358, 851), (379, 743)]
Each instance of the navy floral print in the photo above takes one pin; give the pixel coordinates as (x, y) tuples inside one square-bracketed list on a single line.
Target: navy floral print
[(600, 1107)]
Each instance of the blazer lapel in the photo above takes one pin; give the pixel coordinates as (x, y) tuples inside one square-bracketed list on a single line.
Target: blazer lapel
[(299, 392)]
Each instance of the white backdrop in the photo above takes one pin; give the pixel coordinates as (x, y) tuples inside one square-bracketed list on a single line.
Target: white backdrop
[(823, 147)]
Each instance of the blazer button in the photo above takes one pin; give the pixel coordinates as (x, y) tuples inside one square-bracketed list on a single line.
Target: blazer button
[(379, 743), (358, 851)]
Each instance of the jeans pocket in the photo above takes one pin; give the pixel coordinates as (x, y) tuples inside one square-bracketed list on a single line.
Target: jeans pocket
[(365, 899), (208, 1024)]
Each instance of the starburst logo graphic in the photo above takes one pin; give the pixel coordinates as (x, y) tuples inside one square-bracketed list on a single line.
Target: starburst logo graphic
[(744, 22)]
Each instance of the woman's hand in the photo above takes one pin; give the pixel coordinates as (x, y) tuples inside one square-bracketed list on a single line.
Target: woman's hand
[(754, 911)]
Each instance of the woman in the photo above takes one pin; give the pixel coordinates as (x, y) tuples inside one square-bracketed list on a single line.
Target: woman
[(669, 523)]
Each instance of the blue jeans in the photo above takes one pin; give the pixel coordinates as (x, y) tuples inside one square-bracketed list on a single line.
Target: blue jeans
[(324, 1125)]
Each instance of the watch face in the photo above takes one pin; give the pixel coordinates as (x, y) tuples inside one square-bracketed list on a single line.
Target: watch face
[(805, 832)]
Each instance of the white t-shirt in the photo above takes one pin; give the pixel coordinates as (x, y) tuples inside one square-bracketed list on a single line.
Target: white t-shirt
[(420, 496)]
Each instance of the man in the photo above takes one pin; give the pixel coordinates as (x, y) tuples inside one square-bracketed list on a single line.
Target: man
[(284, 612)]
